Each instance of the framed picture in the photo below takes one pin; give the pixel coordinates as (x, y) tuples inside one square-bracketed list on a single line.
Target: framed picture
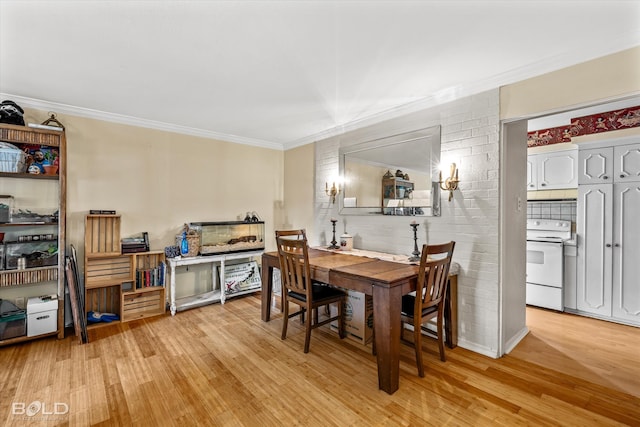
[(241, 277)]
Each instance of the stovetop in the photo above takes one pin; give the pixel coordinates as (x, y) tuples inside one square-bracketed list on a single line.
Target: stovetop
[(548, 230)]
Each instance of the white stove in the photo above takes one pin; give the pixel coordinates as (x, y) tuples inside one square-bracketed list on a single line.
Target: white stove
[(545, 262)]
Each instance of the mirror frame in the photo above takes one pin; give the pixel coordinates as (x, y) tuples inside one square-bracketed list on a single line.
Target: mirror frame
[(430, 132)]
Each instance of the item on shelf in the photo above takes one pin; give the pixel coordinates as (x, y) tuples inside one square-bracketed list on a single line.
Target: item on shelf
[(42, 315), (12, 159), (172, 251), (241, 277), (135, 244), (28, 217), (52, 123), (6, 206), (399, 174), (188, 241), (228, 237), (346, 242), (96, 317), (13, 320), (102, 212), (387, 175), (11, 113)]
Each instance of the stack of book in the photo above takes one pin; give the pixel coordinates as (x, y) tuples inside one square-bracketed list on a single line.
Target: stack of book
[(135, 244)]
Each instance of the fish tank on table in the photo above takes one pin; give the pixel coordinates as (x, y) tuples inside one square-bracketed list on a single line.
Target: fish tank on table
[(229, 236)]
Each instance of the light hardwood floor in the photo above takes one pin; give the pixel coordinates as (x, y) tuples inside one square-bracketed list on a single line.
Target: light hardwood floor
[(221, 365)]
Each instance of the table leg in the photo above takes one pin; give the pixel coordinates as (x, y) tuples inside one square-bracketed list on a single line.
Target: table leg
[(172, 291), (267, 290), (386, 319), (451, 312)]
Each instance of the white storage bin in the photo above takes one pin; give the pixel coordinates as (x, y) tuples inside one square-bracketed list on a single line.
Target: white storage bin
[(42, 315)]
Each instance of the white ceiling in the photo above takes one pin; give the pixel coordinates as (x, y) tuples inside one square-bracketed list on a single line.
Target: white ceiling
[(285, 73)]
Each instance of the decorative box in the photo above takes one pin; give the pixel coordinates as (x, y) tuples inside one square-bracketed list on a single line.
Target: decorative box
[(230, 236)]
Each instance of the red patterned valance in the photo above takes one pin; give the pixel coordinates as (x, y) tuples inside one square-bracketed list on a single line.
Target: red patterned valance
[(595, 123)]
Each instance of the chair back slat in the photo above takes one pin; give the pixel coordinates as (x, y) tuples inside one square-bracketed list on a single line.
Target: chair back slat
[(294, 264), (433, 274)]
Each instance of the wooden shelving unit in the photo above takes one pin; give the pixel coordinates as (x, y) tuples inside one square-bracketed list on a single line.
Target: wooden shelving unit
[(23, 186), (130, 285)]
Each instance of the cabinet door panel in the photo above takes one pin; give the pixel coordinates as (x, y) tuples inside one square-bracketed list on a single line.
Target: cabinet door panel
[(595, 207), (558, 170), (627, 163), (595, 166), (532, 173), (626, 252)]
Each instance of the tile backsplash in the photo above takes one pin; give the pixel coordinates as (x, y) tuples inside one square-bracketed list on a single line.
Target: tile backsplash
[(557, 209)]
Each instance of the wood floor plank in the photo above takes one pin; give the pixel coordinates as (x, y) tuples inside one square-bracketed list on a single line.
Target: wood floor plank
[(221, 365)]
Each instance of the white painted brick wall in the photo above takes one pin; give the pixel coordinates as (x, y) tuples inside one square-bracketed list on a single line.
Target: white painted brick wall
[(470, 138)]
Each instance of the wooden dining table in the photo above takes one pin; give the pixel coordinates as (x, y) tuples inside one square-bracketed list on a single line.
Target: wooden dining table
[(386, 282)]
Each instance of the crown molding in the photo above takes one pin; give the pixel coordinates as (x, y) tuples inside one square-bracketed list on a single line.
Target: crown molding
[(39, 104)]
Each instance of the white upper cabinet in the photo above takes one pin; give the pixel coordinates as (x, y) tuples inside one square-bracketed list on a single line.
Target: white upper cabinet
[(595, 166), (627, 163), (552, 171), (609, 164)]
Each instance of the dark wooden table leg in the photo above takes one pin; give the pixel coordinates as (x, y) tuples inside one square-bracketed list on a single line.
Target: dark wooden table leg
[(267, 289), (451, 313), (386, 319)]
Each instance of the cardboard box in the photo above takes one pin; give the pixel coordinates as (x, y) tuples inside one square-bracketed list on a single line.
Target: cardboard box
[(42, 316), (358, 317)]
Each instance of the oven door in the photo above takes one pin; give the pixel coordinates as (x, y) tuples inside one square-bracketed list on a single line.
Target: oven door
[(545, 262)]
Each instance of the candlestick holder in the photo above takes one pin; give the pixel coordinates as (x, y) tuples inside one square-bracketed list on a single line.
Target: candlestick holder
[(334, 241), (416, 252)]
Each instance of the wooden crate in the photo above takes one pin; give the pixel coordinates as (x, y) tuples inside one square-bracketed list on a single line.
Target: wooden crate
[(138, 305), (104, 300), (104, 271), (102, 235)]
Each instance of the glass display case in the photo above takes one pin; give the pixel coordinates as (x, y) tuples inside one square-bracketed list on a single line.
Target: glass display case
[(229, 236)]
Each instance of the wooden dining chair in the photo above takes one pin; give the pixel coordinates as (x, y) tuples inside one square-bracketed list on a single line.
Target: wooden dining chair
[(429, 299), (298, 288)]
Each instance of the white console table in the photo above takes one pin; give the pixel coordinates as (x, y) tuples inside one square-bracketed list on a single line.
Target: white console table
[(208, 297)]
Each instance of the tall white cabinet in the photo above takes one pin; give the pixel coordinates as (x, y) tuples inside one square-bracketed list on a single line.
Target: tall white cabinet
[(609, 232)]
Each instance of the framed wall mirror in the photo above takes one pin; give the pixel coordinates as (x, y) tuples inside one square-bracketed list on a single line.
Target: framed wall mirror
[(395, 175)]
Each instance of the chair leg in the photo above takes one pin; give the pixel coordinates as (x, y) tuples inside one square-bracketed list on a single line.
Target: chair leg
[(417, 344), (441, 336), (285, 318), (307, 335)]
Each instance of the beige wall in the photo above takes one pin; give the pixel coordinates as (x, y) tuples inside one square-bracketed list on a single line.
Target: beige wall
[(295, 207), (159, 180), (610, 77)]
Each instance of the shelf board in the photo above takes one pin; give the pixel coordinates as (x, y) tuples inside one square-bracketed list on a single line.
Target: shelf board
[(198, 300), (142, 290), (98, 255), (28, 175), (26, 224), (28, 275), (102, 324), (105, 283), (26, 338)]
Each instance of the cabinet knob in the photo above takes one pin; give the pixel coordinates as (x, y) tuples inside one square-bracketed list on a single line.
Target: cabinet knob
[(617, 245), (531, 185), (622, 175), (543, 184), (605, 177), (608, 245)]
